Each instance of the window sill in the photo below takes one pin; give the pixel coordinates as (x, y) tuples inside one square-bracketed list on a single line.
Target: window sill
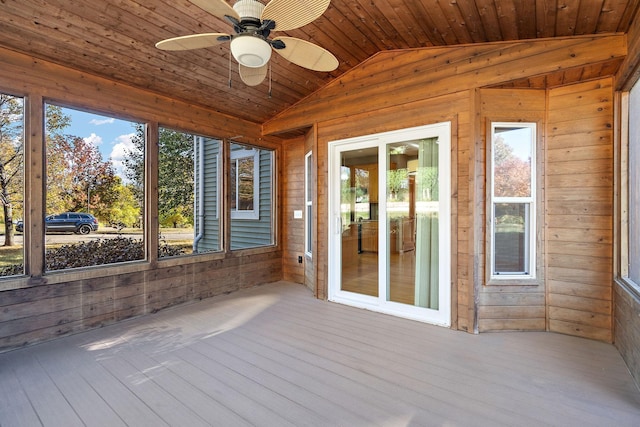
[(629, 286), (512, 281)]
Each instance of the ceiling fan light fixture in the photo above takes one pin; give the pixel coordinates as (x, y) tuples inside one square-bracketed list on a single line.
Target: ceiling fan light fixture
[(250, 51)]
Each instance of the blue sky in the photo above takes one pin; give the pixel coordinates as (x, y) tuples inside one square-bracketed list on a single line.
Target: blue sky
[(111, 136)]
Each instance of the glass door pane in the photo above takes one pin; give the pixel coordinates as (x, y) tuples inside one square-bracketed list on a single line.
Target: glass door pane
[(389, 240), (412, 223), (359, 220)]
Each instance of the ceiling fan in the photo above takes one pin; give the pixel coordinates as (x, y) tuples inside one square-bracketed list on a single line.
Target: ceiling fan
[(250, 45)]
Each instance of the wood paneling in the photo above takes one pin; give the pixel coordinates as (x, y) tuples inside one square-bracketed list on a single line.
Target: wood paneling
[(44, 312), (417, 74), (293, 199), (454, 108), (627, 326), (116, 40), (579, 209), (629, 72), (505, 305)]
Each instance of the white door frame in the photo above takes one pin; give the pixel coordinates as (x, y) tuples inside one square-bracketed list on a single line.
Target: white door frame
[(442, 316)]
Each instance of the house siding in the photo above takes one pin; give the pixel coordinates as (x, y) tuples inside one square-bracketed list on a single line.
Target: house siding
[(247, 233), (209, 223)]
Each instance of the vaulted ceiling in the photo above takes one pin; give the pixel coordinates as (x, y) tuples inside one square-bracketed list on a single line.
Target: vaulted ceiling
[(116, 39)]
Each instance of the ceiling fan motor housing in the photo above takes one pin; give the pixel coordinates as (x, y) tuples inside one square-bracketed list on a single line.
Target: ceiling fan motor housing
[(249, 10), (248, 47)]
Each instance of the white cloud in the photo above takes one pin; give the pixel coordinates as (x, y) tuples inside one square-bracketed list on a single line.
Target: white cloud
[(121, 146), (93, 139), (99, 122)]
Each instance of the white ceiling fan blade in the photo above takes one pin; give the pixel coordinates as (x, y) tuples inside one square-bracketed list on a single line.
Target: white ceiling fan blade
[(194, 41), (218, 8), (290, 14), (252, 76), (307, 55)]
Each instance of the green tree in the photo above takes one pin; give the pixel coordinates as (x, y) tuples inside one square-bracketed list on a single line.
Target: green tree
[(397, 182), (134, 164), (175, 172), (11, 160), (79, 180), (58, 178), (123, 210)]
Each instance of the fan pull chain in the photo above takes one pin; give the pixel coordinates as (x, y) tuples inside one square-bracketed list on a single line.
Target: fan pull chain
[(269, 79), (229, 70)]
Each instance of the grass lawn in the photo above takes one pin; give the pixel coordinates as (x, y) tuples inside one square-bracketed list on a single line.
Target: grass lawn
[(11, 255)]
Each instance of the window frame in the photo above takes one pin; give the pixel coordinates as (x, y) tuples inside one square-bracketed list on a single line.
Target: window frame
[(532, 241), (253, 214), (144, 208), (626, 210), (308, 240)]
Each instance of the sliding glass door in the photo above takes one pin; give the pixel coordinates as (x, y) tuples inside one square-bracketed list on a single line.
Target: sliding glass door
[(389, 244)]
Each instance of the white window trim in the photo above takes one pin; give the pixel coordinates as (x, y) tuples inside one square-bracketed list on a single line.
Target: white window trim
[(308, 250), (532, 244), (255, 212)]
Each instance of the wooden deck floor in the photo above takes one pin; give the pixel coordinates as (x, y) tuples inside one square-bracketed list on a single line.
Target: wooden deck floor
[(275, 356)]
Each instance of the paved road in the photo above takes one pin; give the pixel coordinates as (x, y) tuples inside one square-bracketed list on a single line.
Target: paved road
[(65, 238)]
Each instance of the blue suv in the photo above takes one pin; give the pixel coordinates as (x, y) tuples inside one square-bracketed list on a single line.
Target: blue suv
[(79, 223)]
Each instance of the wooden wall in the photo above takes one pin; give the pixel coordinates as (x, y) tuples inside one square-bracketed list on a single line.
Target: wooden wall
[(395, 90), (579, 209), (627, 297), (396, 78), (509, 305), (454, 108), (293, 199), (43, 306), (627, 327), (310, 261)]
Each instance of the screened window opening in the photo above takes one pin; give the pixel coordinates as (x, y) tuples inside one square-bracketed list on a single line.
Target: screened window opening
[(12, 184), (188, 193), (513, 200), (95, 192)]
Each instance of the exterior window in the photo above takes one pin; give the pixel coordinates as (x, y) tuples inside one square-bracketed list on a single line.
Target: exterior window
[(94, 189), (12, 184), (187, 193), (245, 183), (513, 194), (251, 184), (308, 229)]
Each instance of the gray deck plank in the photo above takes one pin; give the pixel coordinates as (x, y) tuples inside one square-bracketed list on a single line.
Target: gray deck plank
[(64, 368), (164, 404), (209, 409), (128, 405), (517, 386), (275, 356), (187, 364), (15, 407), (45, 396)]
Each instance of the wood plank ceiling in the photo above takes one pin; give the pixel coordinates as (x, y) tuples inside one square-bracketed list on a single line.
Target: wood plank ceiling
[(116, 38)]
